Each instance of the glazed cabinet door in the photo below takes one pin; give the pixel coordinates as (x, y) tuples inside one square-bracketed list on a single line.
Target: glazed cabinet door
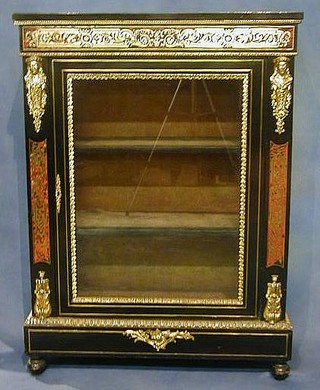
[(160, 165)]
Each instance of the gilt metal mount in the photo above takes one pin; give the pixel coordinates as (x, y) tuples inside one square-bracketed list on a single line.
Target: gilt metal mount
[(35, 80), (272, 311), (281, 91), (158, 339), (42, 306)]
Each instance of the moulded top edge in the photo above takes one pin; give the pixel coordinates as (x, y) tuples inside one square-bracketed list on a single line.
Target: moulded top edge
[(249, 17)]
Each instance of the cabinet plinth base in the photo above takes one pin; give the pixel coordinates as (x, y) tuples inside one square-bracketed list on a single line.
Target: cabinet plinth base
[(183, 341)]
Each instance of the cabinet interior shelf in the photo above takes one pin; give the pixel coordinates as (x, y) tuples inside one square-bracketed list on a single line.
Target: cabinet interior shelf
[(103, 220), (218, 145)]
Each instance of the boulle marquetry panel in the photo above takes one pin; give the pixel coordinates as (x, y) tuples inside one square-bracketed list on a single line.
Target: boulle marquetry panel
[(159, 152), (278, 182), (39, 201)]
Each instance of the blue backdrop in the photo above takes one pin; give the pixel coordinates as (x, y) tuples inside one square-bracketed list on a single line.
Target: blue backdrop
[(304, 266)]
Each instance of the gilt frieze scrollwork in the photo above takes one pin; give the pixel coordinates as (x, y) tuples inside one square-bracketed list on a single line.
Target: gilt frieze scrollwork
[(103, 37), (272, 311), (281, 93), (158, 339), (35, 81), (42, 306)]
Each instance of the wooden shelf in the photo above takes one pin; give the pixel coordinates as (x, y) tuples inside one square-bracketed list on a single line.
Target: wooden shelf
[(177, 129), (204, 282), (167, 144), (160, 199), (102, 220), (156, 264)]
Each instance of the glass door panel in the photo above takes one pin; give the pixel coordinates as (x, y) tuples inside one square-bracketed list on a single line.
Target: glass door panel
[(157, 172)]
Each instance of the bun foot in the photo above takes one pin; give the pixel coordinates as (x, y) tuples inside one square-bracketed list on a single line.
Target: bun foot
[(280, 371), (36, 366)]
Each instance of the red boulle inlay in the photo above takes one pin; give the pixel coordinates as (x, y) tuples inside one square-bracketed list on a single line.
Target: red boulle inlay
[(39, 201), (277, 214)]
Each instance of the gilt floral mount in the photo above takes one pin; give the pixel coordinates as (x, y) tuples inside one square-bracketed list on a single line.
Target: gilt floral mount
[(158, 339)]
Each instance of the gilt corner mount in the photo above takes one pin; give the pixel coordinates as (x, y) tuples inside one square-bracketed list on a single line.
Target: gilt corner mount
[(35, 81)]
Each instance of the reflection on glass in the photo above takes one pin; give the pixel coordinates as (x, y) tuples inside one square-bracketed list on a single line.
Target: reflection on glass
[(157, 172)]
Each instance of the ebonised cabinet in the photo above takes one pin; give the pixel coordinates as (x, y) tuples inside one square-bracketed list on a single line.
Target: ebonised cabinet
[(158, 164)]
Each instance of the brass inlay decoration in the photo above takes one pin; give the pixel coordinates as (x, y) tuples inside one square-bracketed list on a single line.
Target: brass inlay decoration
[(243, 186), (58, 193), (157, 37), (158, 339), (35, 81), (272, 311), (244, 77), (42, 306), (277, 209), (148, 53), (281, 95), (238, 20), (72, 197), (153, 323), (158, 300), (39, 201)]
